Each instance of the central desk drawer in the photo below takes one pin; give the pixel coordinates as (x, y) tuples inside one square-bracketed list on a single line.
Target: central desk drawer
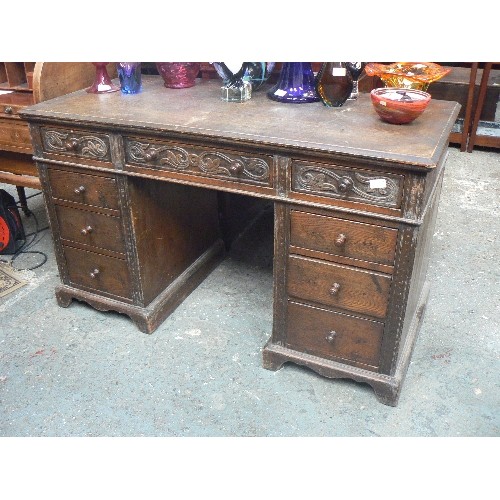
[(91, 190), (354, 240), (90, 228), (197, 160), (334, 336), (98, 272), (339, 286)]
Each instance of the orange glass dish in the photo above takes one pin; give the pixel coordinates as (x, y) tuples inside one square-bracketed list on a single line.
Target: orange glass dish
[(408, 75)]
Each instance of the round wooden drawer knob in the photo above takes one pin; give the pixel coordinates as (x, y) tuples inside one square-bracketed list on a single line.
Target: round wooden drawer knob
[(334, 290), (94, 273), (71, 144), (340, 240), (345, 184), (330, 338)]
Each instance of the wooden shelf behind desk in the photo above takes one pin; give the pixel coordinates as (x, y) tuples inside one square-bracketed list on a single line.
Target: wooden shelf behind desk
[(24, 84)]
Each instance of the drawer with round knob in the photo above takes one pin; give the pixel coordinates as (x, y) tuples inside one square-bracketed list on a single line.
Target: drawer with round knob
[(331, 335), (344, 238), (90, 228), (338, 286), (251, 168), (97, 272), (350, 184), (87, 189), (14, 135), (76, 143)]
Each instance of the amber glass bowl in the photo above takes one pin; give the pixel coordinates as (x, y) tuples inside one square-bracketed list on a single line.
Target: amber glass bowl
[(408, 75), (399, 105)]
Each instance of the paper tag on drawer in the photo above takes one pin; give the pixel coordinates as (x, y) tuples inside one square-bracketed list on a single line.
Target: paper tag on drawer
[(378, 183)]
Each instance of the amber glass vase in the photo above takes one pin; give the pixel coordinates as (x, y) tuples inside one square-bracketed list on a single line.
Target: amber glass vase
[(334, 84)]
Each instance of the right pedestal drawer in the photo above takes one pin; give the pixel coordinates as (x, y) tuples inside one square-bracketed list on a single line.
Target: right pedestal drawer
[(338, 284), (335, 336), (342, 287), (351, 240)]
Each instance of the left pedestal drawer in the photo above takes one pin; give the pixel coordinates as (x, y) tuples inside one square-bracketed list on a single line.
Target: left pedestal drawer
[(91, 228), (98, 272)]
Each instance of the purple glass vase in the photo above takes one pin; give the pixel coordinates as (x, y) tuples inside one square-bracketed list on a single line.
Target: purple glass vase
[(130, 77), (296, 84)]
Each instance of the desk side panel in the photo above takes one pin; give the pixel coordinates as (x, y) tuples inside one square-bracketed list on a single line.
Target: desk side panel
[(172, 226)]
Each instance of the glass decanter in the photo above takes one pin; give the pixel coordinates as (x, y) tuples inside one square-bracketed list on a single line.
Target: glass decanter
[(355, 68)]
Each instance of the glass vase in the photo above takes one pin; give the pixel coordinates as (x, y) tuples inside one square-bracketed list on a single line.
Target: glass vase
[(178, 75), (102, 82), (296, 84), (130, 77), (334, 84)]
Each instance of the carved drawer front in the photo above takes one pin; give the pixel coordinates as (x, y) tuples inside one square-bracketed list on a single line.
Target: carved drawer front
[(98, 272), (334, 181), (335, 336), (350, 239), (339, 286), (78, 144), (204, 161), (90, 228), (82, 188)]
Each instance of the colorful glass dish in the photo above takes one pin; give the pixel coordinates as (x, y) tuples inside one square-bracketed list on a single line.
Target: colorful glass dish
[(408, 75), (399, 105)]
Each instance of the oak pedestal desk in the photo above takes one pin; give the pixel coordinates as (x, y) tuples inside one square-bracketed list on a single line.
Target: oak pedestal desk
[(131, 185)]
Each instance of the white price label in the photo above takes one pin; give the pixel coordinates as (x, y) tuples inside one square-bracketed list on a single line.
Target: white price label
[(102, 88), (338, 72), (280, 92), (378, 183), (383, 103)]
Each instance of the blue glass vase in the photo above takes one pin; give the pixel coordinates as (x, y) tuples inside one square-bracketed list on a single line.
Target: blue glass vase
[(296, 84), (130, 77)]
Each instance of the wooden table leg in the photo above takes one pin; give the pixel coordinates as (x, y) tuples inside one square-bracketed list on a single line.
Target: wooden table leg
[(469, 106), (479, 106), (22, 200)]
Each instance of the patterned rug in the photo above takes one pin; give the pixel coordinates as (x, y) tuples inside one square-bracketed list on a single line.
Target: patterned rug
[(10, 280)]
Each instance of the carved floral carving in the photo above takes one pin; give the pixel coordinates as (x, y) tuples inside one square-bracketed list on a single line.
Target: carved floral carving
[(89, 146), (351, 185), (214, 163)]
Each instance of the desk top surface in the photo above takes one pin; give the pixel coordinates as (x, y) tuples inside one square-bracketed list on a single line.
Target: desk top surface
[(198, 112)]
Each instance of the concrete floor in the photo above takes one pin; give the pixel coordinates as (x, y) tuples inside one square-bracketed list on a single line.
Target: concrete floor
[(80, 372)]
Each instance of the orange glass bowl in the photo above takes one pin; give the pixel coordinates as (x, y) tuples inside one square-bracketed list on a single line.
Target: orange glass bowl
[(399, 105), (408, 75)]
